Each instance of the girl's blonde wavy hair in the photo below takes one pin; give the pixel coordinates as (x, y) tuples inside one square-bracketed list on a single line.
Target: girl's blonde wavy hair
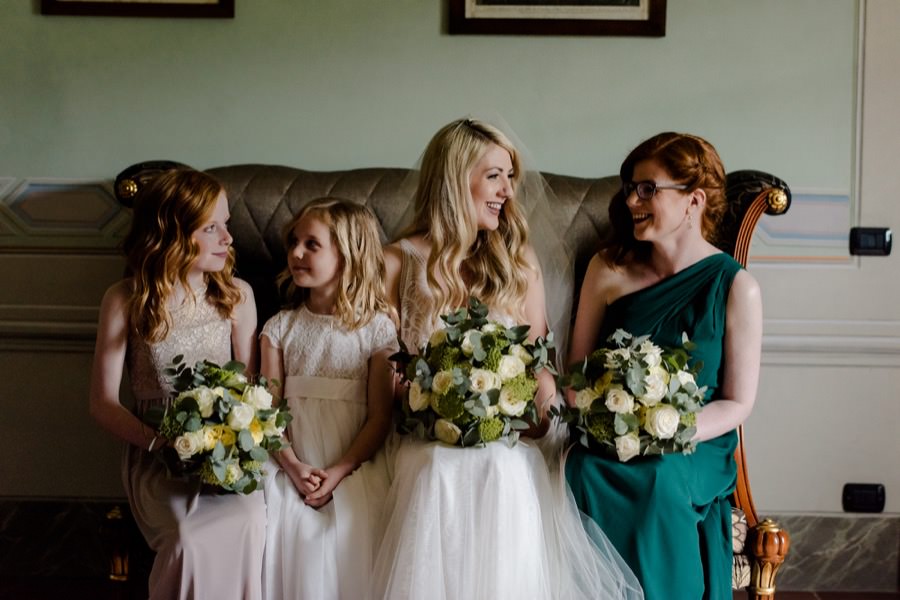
[(355, 234), (159, 249), (493, 261)]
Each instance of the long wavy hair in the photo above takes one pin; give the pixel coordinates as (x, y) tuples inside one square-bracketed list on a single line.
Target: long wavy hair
[(160, 251), (355, 234), (687, 159), (493, 262)]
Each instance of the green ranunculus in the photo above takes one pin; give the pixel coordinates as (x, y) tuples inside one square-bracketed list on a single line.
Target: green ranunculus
[(449, 406), (490, 429)]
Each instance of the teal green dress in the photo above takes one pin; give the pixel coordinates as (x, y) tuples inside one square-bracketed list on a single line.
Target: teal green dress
[(669, 516)]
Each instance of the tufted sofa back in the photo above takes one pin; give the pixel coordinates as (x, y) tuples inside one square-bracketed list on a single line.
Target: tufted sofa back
[(263, 199)]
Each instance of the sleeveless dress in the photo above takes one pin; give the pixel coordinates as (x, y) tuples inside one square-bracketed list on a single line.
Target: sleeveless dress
[(669, 516), (466, 523), (207, 545), (325, 553)]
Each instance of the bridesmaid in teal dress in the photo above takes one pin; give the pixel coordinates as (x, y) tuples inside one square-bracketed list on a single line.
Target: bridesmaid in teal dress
[(660, 275)]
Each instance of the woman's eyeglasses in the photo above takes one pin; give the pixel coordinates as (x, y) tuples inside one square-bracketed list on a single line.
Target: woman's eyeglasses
[(646, 189)]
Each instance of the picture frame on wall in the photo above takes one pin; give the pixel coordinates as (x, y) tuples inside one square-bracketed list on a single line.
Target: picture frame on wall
[(559, 17), (143, 8)]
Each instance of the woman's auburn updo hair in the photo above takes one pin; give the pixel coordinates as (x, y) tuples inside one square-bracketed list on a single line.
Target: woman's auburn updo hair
[(493, 261), (689, 160), (160, 251)]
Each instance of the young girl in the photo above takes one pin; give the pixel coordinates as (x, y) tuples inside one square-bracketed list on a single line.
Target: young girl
[(181, 299), (331, 352)]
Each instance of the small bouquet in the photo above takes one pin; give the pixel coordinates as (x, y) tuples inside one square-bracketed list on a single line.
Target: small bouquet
[(474, 382), (636, 398), (221, 425)]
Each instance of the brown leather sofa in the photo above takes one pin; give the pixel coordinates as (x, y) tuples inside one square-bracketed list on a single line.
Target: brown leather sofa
[(263, 198)]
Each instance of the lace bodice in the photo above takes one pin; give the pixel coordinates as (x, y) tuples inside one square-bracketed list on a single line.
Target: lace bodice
[(320, 346), (198, 332), (416, 300)]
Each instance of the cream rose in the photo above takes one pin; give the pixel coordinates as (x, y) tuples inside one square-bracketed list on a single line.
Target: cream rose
[(524, 355), (446, 431), (662, 421), (206, 400), (488, 328), (584, 399), (240, 416), (466, 345), (188, 444), (510, 367), (209, 435), (492, 410), (509, 405), (438, 337), (258, 397), (628, 446), (441, 382), (419, 399), (618, 400), (233, 473), (236, 380), (484, 380), (652, 353), (655, 389)]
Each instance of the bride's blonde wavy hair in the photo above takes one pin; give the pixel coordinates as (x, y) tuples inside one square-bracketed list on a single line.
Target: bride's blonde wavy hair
[(354, 232), (493, 262), (159, 249)]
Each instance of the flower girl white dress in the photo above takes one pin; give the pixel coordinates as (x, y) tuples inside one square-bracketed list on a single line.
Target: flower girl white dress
[(492, 522), (325, 553)]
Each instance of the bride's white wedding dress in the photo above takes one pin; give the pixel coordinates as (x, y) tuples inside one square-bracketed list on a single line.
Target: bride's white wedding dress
[(492, 522)]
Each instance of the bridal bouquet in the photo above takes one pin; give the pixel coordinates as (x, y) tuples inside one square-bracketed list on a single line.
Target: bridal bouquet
[(221, 425), (636, 398), (473, 382)]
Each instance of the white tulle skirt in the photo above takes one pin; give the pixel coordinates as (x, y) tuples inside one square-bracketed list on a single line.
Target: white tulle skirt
[(467, 523)]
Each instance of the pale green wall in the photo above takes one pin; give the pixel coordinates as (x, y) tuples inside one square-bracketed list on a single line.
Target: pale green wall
[(353, 83)]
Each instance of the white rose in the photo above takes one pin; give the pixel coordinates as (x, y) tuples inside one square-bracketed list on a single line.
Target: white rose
[(188, 445), (523, 354), (466, 345), (240, 416), (618, 400), (510, 405), (441, 382), (628, 446), (206, 399), (233, 473), (685, 378), (584, 399), (438, 337), (258, 397), (419, 399), (655, 389), (510, 367), (446, 431), (484, 380), (662, 421), (489, 328), (652, 353)]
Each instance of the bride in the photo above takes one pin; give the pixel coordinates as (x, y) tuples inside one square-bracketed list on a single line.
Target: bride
[(485, 522)]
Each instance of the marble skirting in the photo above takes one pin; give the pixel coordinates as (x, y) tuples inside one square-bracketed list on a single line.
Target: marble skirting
[(841, 553), (70, 539)]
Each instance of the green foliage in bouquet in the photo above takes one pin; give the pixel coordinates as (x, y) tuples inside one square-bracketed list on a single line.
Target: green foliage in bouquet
[(473, 382), (221, 425), (635, 398)]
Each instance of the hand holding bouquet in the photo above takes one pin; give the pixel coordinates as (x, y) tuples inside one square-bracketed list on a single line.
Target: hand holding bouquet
[(221, 425), (474, 382), (636, 398)]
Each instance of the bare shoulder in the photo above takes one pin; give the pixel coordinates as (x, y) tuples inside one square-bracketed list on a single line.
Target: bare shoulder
[(745, 288), (118, 294), (531, 258), (603, 279), (246, 290), (393, 258)]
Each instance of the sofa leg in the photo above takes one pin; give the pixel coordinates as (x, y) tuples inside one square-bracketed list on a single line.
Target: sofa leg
[(769, 545)]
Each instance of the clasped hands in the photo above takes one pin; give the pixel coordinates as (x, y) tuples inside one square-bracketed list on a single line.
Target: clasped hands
[(314, 484)]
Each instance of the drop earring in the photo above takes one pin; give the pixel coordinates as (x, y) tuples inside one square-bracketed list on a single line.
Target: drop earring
[(690, 220)]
